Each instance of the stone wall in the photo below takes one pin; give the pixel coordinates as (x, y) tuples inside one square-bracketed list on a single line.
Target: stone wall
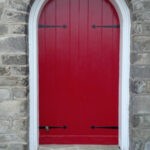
[(14, 74), (140, 75)]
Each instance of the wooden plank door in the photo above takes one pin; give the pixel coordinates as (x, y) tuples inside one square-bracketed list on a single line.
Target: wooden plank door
[(78, 72)]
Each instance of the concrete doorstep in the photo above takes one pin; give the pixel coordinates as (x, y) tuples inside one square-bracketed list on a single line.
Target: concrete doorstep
[(78, 147)]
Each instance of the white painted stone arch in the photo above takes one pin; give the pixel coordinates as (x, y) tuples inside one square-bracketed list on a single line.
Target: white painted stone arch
[(124, 15)]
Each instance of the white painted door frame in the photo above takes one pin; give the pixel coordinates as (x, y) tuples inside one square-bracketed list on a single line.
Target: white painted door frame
[(124, 16)]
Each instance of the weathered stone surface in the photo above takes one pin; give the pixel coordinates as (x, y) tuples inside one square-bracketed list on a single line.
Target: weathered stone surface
[(12, 29), (12, 126), (14, 60), (141, 105), (20, 125), (13, 138), (141, 28), (18, 71), (21, 5), (19, 93), (140, 138), (14, 146), (17, 29), (14, 16), (140, 58), (147, 145), (4, 71), (13, 81), (13, 108), (138, 86), (141, 43), (141, 5), (143, 134), (3, 29), (3, 146), (137, 144), (13, 44), (148, 87), (17, 147), (5, 94), (141, 121), (140, 71), (141, 16), (1, 7)]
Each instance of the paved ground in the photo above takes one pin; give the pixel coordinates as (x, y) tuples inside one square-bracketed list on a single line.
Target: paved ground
[(78, 147)]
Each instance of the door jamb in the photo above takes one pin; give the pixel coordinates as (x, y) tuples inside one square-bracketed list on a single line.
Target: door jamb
[(125, 22)]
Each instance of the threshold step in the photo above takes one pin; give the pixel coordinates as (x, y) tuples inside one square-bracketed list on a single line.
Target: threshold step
[(78, 147)]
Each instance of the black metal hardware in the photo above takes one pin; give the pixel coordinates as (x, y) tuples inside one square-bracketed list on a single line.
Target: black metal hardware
[(47, 128), (106, 26), (105, 127), (52, 26)]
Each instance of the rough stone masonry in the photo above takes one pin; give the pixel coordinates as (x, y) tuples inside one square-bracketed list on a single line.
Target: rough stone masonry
[(14, 101)]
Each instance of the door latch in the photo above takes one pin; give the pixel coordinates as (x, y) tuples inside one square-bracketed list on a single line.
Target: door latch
[(48, 128)]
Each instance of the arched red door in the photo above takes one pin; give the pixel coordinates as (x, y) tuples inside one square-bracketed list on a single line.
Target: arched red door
[(78, 72)]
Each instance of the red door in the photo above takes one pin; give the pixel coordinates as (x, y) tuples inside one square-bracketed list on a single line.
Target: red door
[(78, 72)]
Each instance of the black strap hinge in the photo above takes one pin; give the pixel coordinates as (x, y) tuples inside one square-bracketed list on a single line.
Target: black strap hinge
[(105, 26), (52, 26), (105, 127)]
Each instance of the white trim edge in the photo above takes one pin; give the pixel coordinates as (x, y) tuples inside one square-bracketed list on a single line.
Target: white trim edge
[(124, 16)]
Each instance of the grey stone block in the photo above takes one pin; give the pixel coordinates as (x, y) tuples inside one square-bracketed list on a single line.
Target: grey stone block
[(12, 126), (141, 43), (13, 29), (148, 87), (141, 16), (19, 71), (147, 145), (141, 6), (13, 81), (140, 71), (14, 146), (141, 28), (20, 125), (19, 5), (141, 121), (3, 146), (4, 71), (13, 44), (13, 108), (14, 16), (19, 93), (141, 105), (17, 147), (3, 29), (17, 29), (5, 94), (138, 86), (1, 7), (140, 58), (137, 144), (14, 60), (143, 134), (13, 138)]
